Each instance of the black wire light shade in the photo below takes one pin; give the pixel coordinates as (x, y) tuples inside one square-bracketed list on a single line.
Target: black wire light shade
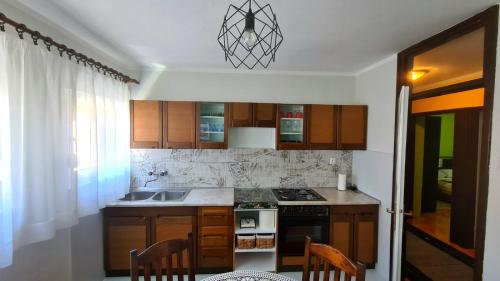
[(250, 35)]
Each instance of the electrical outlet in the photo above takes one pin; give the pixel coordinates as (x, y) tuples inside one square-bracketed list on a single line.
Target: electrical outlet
[(333, 161)]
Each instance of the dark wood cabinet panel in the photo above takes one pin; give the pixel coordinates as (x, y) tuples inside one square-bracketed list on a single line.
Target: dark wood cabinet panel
[(179, 124), (322, 126), (241, 114), (264, 115), (174, 227), (342, 231), (215, 237), (145, 124), (366, 236), (354, 232), (123, 234), (352, 127)]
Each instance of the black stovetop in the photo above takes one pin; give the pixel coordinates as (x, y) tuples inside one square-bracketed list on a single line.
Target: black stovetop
[(297, 194)]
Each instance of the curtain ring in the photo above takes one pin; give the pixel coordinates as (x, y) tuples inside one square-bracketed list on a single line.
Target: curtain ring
[(78, 58), (98, 65), (48, 43), (84, 59), (61, 49), (2, 22), (70, 53), (35, 36), (20, 30)]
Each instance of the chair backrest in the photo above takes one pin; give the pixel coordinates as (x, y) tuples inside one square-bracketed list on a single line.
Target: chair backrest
[(153, 257), (332, 259)]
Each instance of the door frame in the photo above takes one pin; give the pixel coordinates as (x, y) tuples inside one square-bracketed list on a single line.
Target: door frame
[(489, 20)]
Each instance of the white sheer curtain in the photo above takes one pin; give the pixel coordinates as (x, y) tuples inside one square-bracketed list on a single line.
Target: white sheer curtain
[(64, 139)]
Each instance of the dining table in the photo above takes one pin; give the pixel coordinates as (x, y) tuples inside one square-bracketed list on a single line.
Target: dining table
[(248, 275)]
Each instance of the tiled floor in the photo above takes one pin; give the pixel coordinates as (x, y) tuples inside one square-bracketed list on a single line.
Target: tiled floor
[(371, 275)]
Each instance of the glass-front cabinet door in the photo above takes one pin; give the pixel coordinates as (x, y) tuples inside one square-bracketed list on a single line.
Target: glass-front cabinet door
[(212, 125), (291, 126)]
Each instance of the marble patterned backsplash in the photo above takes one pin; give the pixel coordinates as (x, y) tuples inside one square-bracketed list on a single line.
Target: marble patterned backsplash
[(239, 168)]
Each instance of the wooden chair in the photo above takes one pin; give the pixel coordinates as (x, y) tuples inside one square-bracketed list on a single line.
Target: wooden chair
[(154, 255), (330, 257)]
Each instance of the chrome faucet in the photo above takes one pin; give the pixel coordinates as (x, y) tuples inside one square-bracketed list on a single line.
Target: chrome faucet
[(157, 175)]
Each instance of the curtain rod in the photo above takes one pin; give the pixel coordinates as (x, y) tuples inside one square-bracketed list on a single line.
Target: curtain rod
[(36, 36)]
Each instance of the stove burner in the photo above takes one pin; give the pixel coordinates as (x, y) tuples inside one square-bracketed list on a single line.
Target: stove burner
[(297, 194)]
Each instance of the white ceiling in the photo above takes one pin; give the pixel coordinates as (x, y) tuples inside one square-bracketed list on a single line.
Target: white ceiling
[(319, 35)]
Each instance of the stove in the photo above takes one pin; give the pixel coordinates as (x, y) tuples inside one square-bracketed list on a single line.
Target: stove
[(297, 194)]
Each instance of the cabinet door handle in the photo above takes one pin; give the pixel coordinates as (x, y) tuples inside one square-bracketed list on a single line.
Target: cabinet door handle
[(390, 211)]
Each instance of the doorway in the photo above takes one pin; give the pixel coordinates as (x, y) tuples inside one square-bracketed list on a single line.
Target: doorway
[(451, 82)]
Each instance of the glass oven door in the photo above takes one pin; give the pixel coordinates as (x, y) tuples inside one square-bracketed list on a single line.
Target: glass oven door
[(293, 232)]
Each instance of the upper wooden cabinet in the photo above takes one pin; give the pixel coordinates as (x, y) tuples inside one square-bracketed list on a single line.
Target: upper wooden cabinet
[(179, 123), (241, 114), (291, 132), (252, 115), (352, 127), (146, 124), (211, 125), (322, 126), (264, 115), (174, 125)]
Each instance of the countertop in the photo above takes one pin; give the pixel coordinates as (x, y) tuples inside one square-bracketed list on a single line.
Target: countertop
[(226, 197), (196, 197), (336, 197)]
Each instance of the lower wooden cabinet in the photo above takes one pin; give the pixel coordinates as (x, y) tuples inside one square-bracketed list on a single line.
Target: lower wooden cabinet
[(126, 229), (174, 227), (123, 234), (354, 231), (215, 238)]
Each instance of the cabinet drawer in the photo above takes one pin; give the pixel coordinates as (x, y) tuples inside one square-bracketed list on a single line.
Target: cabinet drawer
[(215, 216), (215, 236), (215, 257)]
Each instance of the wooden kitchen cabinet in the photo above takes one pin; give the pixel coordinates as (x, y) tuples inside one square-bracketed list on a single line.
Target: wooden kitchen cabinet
[(241, 114), (253, 115), (291, 130), (322, 126), (145, 124), (264, 115), (352, 127), (179, 124), (169, 227), (123, 234), (354, 231), (215, 238), (211, 125), (129, 228)]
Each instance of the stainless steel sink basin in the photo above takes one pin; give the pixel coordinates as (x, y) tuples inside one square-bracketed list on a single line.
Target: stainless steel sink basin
[(138, 195), (171, 195)]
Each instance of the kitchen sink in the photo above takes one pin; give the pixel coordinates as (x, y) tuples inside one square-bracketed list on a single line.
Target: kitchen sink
[(171, 195), (137, 195)]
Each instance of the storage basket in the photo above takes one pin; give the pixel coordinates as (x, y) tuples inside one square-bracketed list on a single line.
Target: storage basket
[(246, 241), (265, 241)]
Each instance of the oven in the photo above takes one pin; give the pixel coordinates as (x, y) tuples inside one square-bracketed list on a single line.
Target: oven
[(297, 222)]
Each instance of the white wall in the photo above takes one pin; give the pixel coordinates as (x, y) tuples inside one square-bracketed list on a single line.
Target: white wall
[(245, 87), (372, 169), (491, 268)]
